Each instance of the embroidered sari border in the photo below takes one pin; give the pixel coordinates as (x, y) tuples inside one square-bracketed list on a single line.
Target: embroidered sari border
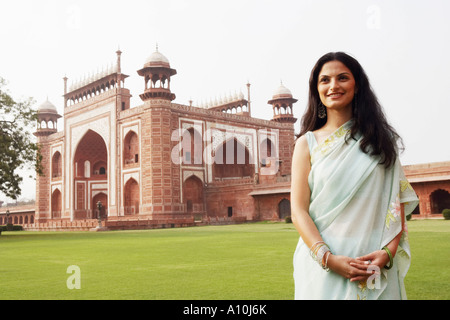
[(331, 141)]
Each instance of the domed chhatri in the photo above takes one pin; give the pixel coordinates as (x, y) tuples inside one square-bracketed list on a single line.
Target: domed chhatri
[(47, 119), (282, 92), (157, 74), (282, 102), (47, 107), (157, 59)]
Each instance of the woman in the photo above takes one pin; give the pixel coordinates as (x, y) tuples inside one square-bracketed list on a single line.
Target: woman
[(349, 195)]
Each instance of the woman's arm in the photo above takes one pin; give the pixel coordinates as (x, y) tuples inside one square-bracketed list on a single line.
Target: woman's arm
[(300, 194)]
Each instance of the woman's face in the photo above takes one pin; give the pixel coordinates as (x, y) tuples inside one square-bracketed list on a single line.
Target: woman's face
[(336, 86)]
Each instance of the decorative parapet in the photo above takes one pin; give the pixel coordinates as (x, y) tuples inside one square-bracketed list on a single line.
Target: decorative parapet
[(93, 88), (218, 115)]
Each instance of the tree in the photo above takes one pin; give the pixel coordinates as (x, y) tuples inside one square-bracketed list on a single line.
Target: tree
[(17, 149)]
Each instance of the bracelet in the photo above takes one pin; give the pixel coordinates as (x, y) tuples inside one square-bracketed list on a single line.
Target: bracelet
[(318, 251), (326, 262), (313, 248), (391, 259), (321, 253)]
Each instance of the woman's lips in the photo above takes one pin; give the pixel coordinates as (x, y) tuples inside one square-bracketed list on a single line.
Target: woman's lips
[(335, 95)]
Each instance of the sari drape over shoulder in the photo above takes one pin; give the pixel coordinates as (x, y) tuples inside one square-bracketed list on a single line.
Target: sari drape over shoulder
[(355, 204)]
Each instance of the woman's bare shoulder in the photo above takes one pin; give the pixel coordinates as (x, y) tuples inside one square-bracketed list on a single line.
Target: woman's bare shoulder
[(301, 148)]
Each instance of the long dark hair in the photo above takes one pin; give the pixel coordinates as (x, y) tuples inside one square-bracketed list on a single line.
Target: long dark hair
[(378, 137)]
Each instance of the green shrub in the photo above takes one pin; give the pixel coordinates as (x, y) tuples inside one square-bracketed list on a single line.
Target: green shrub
[(446, 214), (288, 219), (11, 227)]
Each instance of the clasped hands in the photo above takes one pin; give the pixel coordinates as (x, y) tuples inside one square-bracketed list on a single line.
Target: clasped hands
[(360, 268)]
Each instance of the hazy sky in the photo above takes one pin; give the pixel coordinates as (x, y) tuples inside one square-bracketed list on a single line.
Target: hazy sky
[(218, 46)]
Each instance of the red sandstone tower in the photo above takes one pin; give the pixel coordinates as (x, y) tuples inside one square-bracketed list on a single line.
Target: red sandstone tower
[(47, 125), (161, 194), (282, 103)]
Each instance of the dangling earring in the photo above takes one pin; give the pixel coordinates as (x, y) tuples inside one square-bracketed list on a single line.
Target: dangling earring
[(322, 111)]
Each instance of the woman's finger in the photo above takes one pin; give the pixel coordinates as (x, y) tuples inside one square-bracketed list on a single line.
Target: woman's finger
[(365, 276), (360, 266), (369, 256)]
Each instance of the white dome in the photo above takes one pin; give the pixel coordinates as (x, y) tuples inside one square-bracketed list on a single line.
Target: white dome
[(157, 58), (47, 106), (282, 91)]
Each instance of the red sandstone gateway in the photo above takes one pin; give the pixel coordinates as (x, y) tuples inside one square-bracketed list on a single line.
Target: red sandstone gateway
[(231, 167)]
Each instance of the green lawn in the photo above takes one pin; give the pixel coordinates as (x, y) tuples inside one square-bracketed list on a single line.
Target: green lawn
[(248, 261), (429, 275)]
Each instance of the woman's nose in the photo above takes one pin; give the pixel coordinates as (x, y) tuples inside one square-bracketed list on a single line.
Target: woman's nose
[(334, 85)]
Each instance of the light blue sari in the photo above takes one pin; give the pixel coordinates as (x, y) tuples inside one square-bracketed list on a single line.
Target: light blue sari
[(355, 204)]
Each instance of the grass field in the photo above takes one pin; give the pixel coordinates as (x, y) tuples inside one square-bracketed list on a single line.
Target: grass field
[(248, 261)]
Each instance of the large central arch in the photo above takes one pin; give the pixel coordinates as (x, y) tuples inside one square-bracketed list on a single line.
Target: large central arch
[(90, 170)]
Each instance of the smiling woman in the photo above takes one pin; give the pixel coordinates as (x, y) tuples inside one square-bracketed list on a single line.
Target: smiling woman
[(345, 163)]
